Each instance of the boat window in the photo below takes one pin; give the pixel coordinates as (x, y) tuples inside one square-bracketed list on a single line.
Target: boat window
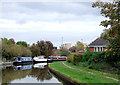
[(18, 59), (19, 68)]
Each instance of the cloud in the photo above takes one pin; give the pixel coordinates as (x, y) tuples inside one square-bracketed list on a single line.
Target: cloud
[(50, 21), (24, 12), (31, 32)]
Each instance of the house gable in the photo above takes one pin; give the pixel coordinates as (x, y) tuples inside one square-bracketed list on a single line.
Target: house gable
[(98, 45)]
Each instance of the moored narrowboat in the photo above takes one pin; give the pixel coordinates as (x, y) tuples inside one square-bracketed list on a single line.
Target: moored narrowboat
[(22, 60), (39, 59)]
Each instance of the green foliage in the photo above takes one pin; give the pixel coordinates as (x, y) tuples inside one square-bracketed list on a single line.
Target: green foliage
[(104, 67), (86, 56), (64, 52), (95, 60), (35, 50), (10, 50), (79, 46), (97, 57), (73, 49), (70, 58), (23, 43), (105, 34), (74, 58), (77, 58), (98, 61), (6, 41), (83, 64), (112, 34), (26, 52)]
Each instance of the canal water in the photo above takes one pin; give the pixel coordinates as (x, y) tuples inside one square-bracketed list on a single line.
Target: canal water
[(36, 73)]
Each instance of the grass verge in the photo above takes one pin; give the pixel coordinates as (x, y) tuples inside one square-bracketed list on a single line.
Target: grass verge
[(94, 71), (79, 76)]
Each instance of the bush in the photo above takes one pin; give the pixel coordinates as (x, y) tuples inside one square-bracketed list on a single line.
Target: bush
[(97, 57), (74, 58), (77, 58), (104, 67), (64, 52), (113, 57), (86, 56), (70, 58)]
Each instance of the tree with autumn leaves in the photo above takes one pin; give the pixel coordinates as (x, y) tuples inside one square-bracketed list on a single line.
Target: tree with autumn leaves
[(111, 10), (10, 49), (46, 47)]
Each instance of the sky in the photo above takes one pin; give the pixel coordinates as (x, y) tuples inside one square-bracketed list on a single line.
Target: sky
[(50, 21)]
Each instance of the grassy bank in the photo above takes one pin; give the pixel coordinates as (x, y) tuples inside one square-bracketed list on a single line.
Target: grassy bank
[(82, 76)]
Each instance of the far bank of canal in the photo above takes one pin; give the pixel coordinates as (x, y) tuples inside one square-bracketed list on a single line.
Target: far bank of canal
[(73, 74)]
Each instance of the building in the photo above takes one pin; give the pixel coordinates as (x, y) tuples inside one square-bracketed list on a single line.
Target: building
[(85, 46), (55, 50), (98, 45), (66, 45)]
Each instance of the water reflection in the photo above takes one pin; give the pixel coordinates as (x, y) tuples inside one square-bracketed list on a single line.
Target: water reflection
[(41, 73), (37, 73)]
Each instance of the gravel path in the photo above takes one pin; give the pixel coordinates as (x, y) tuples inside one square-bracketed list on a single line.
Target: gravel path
[(89, 72)]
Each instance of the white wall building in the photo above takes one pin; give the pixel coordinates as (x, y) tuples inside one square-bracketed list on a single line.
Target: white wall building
[(66, 45)]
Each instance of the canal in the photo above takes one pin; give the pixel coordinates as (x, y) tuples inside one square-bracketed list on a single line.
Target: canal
[(35, 73)]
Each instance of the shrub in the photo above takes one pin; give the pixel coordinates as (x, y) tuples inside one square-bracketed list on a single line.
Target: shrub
[(86, 56), (77, 58), (104, 67), (113, 57), (97, 57), (70, 58), (74, 58), (64, 52)]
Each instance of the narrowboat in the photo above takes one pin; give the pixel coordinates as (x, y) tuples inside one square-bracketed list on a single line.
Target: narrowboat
[(57, 58), (22, 60), (39, 59)]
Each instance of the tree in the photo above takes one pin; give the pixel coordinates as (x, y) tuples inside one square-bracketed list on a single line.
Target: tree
[(42, 46), (46, 47), (23, 43), (64, 52), (6, 41), (105, 35), (79, 46), (73, 49), (12, 40), (35, 50), (49, 48), (11, 50), (112, 33), (6, 48), (26, 52)]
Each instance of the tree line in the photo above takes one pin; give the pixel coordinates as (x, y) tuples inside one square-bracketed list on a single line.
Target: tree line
[(11, 49)]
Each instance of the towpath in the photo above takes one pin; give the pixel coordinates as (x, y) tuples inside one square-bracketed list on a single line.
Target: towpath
[(89, 72)]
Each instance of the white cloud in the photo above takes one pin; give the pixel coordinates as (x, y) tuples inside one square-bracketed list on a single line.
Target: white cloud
[(50, 21)]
